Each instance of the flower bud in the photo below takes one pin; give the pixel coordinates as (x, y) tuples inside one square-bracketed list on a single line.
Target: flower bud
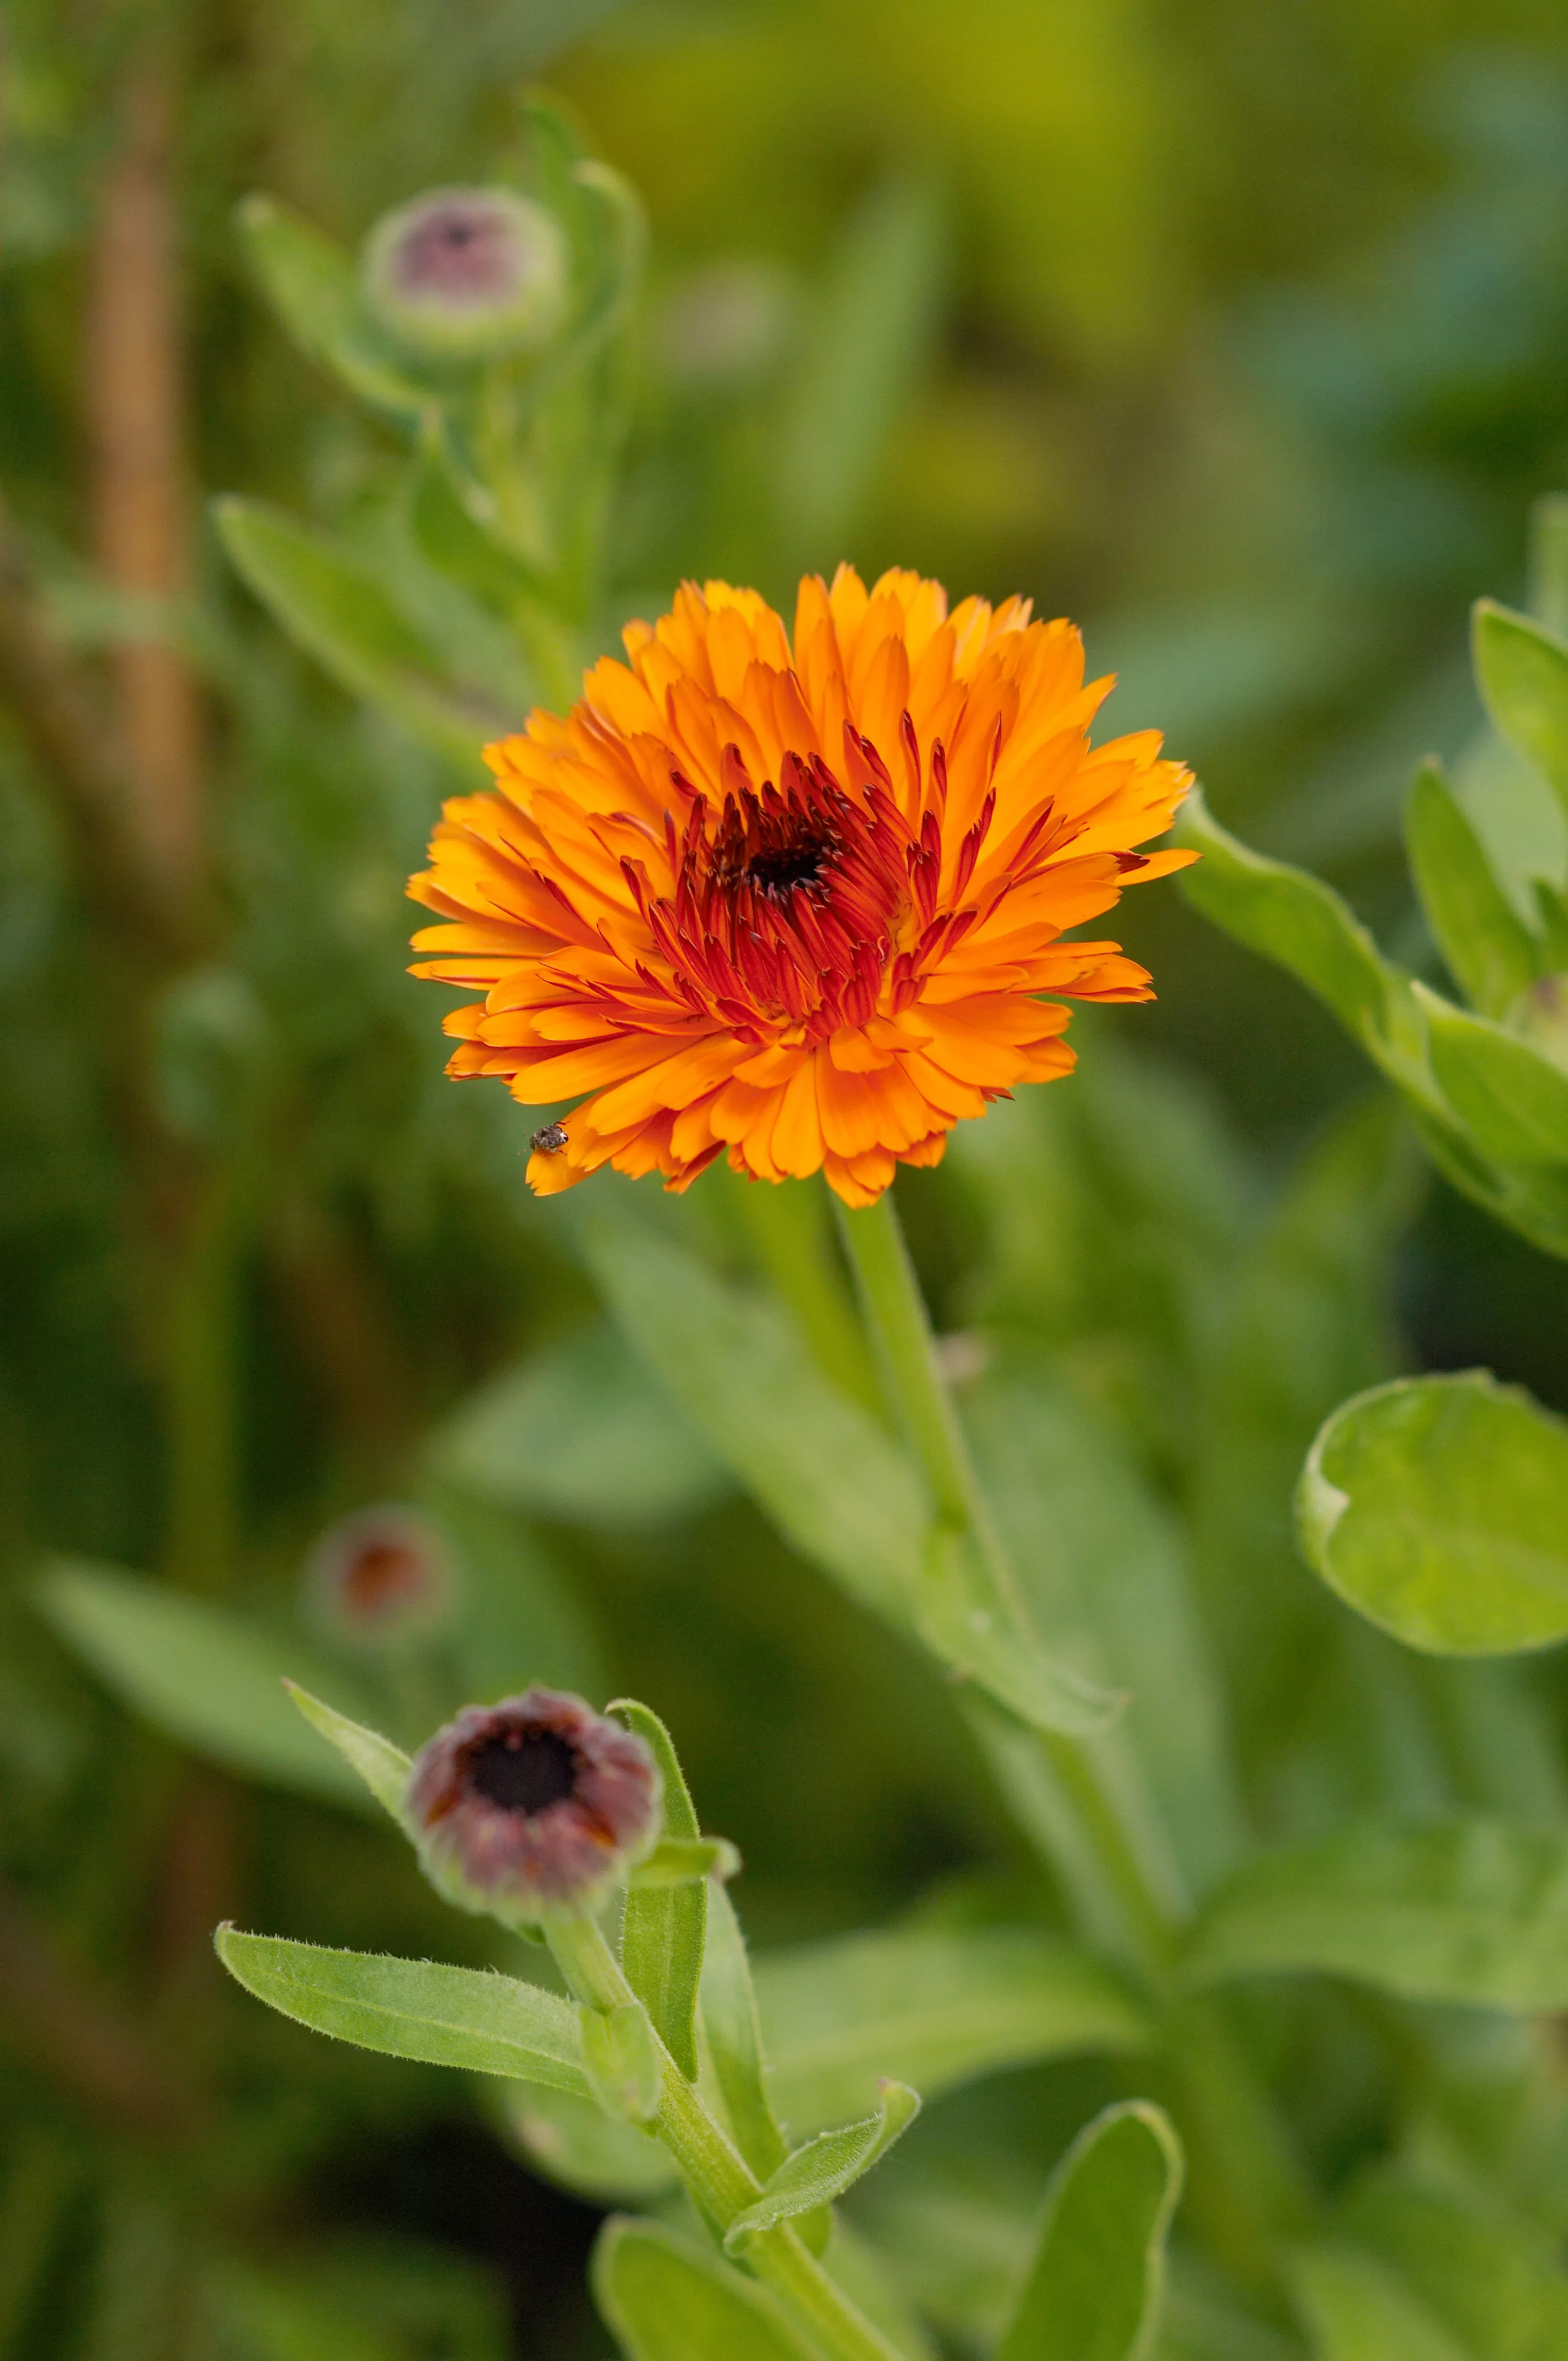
[(379, 1578), (532, 1806), (468, 274)]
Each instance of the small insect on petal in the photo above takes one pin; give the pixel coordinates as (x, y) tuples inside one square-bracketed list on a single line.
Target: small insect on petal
[(550, 1140)]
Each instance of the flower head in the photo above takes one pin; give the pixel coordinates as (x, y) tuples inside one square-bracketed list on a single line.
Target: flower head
[(380, 1575), (466, 274), (794, 899), (535, 1804)]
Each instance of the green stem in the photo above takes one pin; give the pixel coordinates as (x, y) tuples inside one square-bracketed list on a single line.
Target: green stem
[(793, 1237), (1087, 1840), (712, 2166)]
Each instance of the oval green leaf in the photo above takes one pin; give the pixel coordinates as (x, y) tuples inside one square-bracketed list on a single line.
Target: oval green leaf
[(665, 2300), (1438, 1508), (1096, 2283)]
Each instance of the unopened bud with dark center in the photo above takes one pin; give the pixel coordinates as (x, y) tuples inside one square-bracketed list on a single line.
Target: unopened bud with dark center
[(468, 274), (532, 1806), (380, 1578)]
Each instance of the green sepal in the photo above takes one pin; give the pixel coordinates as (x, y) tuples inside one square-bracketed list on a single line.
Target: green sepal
[(1096, 2280), (384, 1768), (1490, 952), (1437, 1507), (665, 1924), (620, 2056), (820, 2171), (680, 1861)]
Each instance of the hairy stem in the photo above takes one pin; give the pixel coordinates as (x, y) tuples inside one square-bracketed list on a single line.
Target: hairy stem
[(714, 2170)]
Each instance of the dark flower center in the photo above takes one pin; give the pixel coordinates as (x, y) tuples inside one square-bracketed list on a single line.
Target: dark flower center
[(778, 868), (524, 1770)]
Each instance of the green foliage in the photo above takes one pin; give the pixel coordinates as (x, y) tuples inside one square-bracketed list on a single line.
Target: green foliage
[(1096, 2280), (667, 2300), (666, 1927), (200, 1673), (826, 2167), (488, 2024), (930, 2008), (1438, 1506), (383, 1767), (1471, 1911)]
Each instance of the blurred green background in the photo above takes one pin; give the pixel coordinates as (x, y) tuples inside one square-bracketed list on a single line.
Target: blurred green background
[(1239, 333)]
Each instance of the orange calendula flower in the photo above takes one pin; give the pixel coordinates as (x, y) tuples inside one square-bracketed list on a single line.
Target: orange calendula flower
[(793, 899)]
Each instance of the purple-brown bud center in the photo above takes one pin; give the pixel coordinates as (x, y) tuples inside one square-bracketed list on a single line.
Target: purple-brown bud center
[(535, 1803), (381, 1576), (467, 273)]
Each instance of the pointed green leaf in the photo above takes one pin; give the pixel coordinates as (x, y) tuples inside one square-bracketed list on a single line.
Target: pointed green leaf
[(735, 2039), (488, 2024), (1521, 669), (665, 1925), (1096, 2283), (1513, 1101), (819, 2173), (1305, 927), (934, 2008), (1490, 953), (1355, 2309), (620, 2058), (339, 612), (1472, 1910), (964, 1623), (200, 1673), (383, 1767), (685, 1860), (667, 2300), (314, 286), (823, 1470), (1438, 1508)]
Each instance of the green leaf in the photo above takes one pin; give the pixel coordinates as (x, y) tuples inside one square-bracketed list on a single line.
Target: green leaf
[(1490, 953), (859, 363), (337, 608), (665, 1925), (1472, 1910), (458, 530), (620, 2058), (383, 1767), (820, 2172), (576, 2145), (1497, 2285), (1103, 1569), (488, 2024), (1523, 672), (1438, 1508), (931, 2007), (199, 1672), (1354, 2308), (823, 1469), (964, 1623), (666, 2300), (1305, 927), (579, 1432), (314, 286), (1513, 1099), (1096, 2283), (686, 1860), (735, 2041)]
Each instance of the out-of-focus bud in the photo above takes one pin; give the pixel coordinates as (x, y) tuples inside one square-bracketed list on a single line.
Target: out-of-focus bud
[(380, 1578), (532, 1806), (725, 325), (468, 274)]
